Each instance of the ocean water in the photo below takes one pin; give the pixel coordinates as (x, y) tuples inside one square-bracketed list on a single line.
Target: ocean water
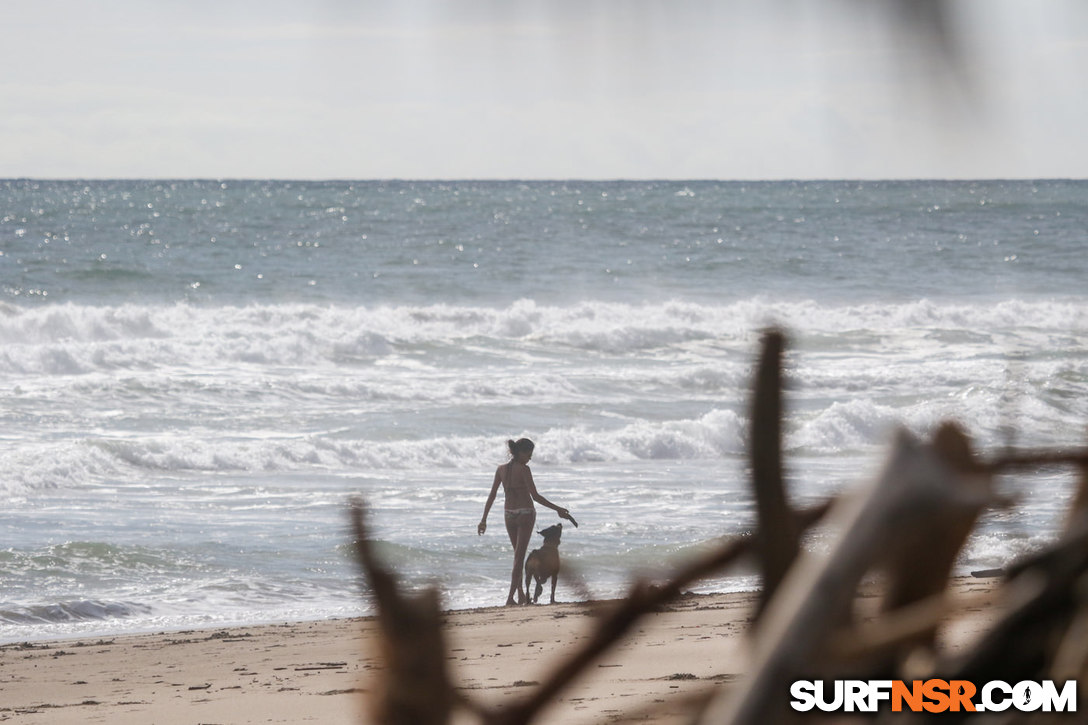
[(197, 376)]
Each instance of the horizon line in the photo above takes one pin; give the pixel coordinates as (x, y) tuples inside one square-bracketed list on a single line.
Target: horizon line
[(512, 179)]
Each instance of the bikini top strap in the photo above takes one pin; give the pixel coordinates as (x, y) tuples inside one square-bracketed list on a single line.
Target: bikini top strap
[(509, 473)]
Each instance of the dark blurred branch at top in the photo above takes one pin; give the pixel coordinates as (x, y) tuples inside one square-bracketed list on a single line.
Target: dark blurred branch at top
[(930, 19)]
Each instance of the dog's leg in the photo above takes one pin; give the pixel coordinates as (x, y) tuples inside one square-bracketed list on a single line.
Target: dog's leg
[(555, 578)]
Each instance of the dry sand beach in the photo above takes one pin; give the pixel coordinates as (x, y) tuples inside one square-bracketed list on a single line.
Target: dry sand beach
[(320, 671)]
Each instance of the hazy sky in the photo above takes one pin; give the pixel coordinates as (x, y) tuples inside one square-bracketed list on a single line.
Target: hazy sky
[(748, 89)]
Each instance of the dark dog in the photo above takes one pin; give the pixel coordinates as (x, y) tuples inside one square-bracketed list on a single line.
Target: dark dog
[(544, 562)]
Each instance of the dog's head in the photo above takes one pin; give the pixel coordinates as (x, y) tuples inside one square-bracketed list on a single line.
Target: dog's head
[(552, 533)]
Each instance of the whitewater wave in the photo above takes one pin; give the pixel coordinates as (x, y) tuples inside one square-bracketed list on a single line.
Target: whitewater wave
[(849, 427), (116, 393), (72, 464), (70, 339)]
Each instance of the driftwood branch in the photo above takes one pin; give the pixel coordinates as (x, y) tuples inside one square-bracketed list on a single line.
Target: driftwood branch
[(777, 535), (920, 483), (411, 641)]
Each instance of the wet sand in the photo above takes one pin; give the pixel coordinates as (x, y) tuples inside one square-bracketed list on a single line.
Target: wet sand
[(321, 671)]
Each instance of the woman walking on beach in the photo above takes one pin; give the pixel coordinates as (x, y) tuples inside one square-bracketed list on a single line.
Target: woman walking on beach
[(519, 512)]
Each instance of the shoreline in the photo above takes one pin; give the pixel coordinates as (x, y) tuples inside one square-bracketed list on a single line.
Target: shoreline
[(321, 671)]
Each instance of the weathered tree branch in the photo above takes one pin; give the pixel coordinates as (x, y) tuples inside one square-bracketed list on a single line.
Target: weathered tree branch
[(778, 539), (816, 598), (411, 641)]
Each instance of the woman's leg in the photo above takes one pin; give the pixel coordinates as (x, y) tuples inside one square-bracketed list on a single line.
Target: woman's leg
[(520, 529)]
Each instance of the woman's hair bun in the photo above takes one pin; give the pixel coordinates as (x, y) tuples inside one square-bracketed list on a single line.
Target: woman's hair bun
[(519, 446)]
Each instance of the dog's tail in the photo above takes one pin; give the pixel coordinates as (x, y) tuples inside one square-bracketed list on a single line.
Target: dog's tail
[(539, 589)]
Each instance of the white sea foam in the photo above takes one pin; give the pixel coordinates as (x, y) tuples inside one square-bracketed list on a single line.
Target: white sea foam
[(73, 463), (845, 426), (71, 339), (857, 372)]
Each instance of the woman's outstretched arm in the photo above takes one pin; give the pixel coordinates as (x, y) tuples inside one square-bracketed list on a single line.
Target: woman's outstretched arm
[(490, 500), (539, 498)]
